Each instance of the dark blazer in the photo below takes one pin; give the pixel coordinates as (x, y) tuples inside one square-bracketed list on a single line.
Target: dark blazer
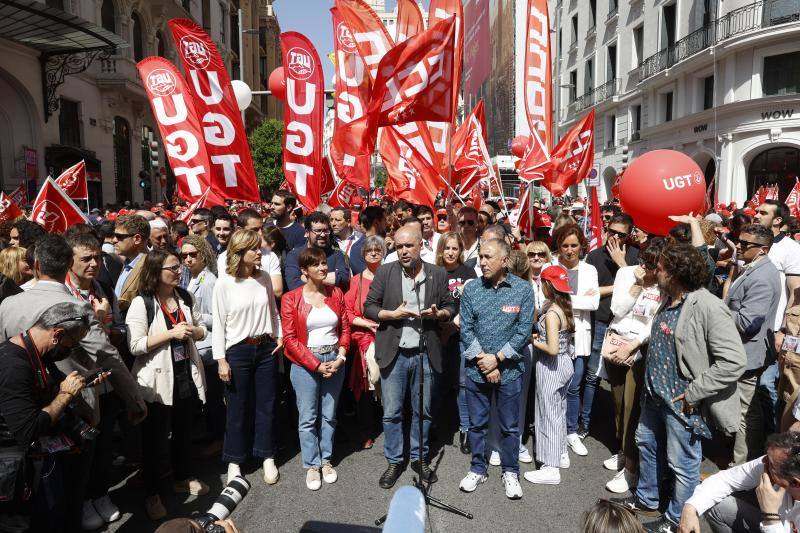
[(386, 293)]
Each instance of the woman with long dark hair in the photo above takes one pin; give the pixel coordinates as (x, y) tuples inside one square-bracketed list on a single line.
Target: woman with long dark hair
[(554, 351), (163, 326)]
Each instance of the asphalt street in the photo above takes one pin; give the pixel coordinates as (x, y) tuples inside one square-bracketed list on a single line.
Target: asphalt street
[(354, 502)]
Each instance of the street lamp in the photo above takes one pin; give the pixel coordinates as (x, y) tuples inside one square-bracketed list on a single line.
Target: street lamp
[(242, 33)]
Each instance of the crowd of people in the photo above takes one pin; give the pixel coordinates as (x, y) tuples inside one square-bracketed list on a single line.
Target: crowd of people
[(145, 325)]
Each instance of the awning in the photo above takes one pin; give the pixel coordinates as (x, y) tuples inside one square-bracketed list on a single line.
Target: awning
[(51, 30)]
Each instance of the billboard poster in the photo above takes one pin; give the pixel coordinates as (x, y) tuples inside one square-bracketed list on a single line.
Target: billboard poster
[(477, 46), (500, 86)]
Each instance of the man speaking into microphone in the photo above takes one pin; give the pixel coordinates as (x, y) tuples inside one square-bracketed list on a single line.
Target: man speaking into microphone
[(409, 299)]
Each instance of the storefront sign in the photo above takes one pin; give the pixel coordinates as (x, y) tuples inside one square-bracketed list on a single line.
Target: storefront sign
[(31, 163), (777, 114), (701, 128)]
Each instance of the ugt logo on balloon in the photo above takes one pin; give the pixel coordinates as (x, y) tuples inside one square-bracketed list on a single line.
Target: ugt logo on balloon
[(195, 52), (161, 82), (50, 216), (345, 37), (300, 63)]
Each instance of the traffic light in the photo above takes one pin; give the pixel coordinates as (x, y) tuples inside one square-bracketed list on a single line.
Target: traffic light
[(624, 157), (154, 161), (144, 179)]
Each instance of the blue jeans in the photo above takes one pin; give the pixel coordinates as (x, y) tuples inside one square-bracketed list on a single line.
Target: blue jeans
[(592, 379), (767, 392), (463, 408), (396, 379), (664, 442), (316, 407), (574, 394), (250, 399), (479, 399)]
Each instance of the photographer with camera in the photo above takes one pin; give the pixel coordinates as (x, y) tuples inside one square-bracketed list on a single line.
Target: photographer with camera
[(37, 428)]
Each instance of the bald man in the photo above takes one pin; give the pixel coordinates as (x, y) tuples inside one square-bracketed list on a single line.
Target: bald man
[(409, 299)]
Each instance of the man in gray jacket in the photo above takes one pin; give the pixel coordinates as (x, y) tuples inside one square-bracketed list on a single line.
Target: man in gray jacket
[(694, 360), (752, 296)]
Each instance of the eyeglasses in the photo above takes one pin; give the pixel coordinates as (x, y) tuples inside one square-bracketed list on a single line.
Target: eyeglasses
[(470, 222), (174, 268), (744, 245), (607, 217), (376, 251), (533, 255), (319, 231), (620, 234), (193, 255), (122, 236)]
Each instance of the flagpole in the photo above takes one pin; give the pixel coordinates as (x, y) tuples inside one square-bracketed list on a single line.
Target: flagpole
[(530, 209), (446, 182)]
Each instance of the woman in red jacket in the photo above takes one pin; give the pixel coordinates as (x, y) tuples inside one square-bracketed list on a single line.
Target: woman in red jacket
[(315, 339)]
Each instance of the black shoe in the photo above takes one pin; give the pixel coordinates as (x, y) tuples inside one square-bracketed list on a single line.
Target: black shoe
[(463, 443), (663, 525), (424, 471), (582, 432), (633, 503), (389, 478)]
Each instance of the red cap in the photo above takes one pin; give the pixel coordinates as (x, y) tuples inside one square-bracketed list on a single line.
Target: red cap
[(751, 212), (542, 220), (112, 216), (441, 212), (557, 275)]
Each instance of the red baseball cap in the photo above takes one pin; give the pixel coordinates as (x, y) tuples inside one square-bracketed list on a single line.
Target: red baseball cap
[(557, 275)]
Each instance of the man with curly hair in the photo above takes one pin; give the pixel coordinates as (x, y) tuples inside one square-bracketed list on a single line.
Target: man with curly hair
[(694, 360)]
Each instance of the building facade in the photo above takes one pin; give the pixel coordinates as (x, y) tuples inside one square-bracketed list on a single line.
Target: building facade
[(95, 106), (718, 81)]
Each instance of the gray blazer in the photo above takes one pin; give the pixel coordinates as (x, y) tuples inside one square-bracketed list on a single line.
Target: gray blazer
[(386, 292), (710, 358), (21, 311), (753, 300)]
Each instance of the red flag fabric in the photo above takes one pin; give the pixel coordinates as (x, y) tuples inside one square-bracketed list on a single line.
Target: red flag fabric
[(523, 211), (572, 157), (409, 20), (232, 173), (19, 195), (772, 193), (793, 200), (303, 114), (343, 195), (534, 160), (596, 222), (9, 210), (54, 210), (471, 161), (414, 83), (538, 79), (477, 198), (187, 213), (352, 99), (328, 182), (173, 109), (411, 177), (73, 181), (757, 198)]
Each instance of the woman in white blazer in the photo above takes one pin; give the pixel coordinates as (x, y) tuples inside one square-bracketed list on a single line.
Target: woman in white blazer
[(571, 244), (162, 329)]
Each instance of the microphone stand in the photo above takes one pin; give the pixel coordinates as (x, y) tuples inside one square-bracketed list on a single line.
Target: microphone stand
[(420, 483)]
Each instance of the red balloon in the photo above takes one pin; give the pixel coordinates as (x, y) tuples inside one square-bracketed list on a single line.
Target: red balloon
[(658, 184), (519, 145), (277, 83)]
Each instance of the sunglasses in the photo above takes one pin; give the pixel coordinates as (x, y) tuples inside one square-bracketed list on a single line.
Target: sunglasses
[(193, 255), (197, 221), (466, 222), (747, 244), (608, 217), (441, 217), (174, 268), (533, 255), (122, 236), (619, 234)]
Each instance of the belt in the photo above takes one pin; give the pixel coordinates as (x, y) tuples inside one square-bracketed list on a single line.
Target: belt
[(410, 351), (258, 339), (323, 349)]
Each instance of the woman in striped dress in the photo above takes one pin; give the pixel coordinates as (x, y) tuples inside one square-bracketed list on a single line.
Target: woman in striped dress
[(555, 350)]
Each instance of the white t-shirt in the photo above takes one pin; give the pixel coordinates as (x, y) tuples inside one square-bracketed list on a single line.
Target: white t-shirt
[(270, 263), (785, 254), (321, 325), (424, 254)]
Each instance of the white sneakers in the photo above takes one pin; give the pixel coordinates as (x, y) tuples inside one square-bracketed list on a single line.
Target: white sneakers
[(233, 471), (90, 519), (525, 456), (622, 482), (329, 475), (576, 445), (615, 462), (313, 481), (471, 481), (106, 509), (513, 488), (494, 458), (547, 475), (564, 463), (271, 474)]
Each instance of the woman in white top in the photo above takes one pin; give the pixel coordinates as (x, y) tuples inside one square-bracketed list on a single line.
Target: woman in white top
[(199, 259), (634, 302), (162, 329), (571, 244), (317, 336), (244, 340)]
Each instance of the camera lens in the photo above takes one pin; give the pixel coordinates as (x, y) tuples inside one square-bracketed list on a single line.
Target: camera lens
[(229, 498)]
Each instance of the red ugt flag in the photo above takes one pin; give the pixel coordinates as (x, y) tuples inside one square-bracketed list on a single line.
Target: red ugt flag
[(19, 195), (54, 210), (572, 158), (793, 200), (8, 209), (597, 223), (73, 181)]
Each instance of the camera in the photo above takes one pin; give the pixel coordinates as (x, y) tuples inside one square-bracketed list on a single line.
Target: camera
[(226, 502)]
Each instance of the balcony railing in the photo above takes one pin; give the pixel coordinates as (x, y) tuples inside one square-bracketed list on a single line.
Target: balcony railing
[(613, 11), (596, 96), (762, 14)]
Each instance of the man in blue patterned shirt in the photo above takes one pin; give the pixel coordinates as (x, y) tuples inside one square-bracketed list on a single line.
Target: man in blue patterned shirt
[(496, 321)]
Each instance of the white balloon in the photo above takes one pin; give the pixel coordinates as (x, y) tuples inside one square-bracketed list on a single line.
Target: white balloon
[(244, 96)]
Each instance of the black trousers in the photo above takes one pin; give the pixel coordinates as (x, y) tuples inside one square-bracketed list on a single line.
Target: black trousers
[(159, 453)]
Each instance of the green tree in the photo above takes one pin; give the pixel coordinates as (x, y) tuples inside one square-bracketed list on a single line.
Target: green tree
[(381, 176), (266, 148)]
